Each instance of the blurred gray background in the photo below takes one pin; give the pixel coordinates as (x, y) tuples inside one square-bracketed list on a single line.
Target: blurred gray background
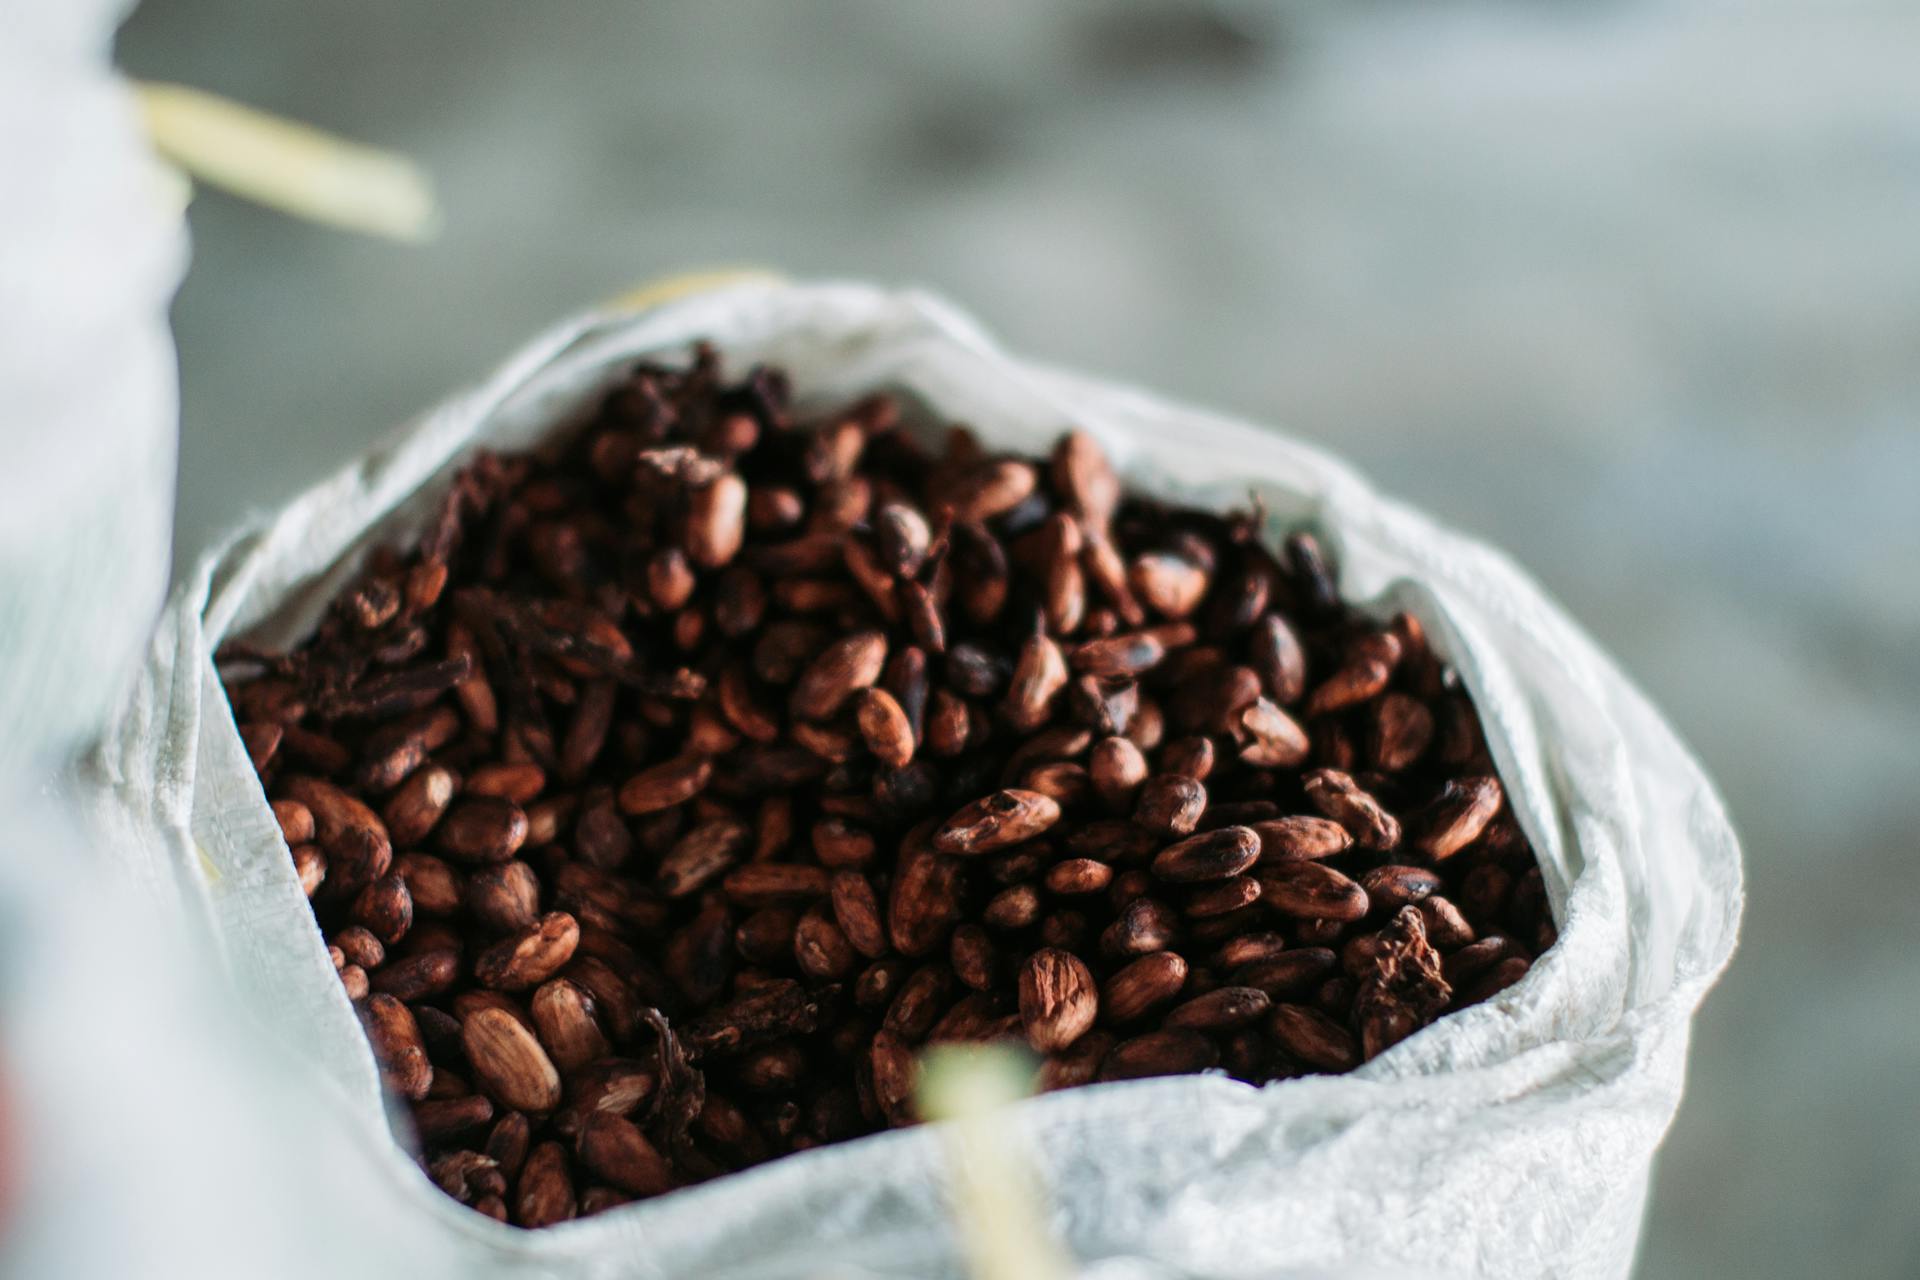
[(1631, 289)]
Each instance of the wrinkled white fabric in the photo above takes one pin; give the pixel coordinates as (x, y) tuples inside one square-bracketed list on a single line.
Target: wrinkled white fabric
[(149, 1131), (90, 251), (1511, 1139), (143, 1131)]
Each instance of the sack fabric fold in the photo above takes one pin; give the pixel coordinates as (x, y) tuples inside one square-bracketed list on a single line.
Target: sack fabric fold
[(1514, 1138)]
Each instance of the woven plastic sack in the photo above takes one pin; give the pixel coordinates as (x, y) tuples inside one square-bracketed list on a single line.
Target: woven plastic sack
[(1514, 1138), (91, 246)]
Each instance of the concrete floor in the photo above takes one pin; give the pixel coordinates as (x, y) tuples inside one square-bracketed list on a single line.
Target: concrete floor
[(1633, 293)]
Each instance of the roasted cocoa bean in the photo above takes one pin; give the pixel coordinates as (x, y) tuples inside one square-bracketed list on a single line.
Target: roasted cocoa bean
[(1058, 999), (721, 753)]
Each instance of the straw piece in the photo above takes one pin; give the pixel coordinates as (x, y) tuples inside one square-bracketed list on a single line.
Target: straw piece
[(289, 166), (996, 1197), (667, 288)]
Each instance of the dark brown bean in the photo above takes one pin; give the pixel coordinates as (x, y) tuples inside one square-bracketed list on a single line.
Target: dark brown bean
[(1212, 855), (1171, 804), (1159, 1053), (530, 956), (1148, 982), (1312, 1038), (482, 830), (1220, 1009), (1078, 875), (1300, 839), (1336, 795), (1312, 891), (1058, 999), (754, 756), (997, 821), (1289, 972), (506, 897), (1144, 926), (842, 669), (665, 785), (1457, 818), (1392, 887)]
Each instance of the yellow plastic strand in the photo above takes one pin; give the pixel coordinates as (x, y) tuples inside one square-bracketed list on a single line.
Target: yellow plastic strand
[(997, 1200), (679, 285), (289, 166)]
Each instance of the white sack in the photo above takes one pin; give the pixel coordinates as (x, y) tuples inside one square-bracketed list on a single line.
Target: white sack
[(91, 246), (143, 1133), (151, 1132), (1510, 1139)]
